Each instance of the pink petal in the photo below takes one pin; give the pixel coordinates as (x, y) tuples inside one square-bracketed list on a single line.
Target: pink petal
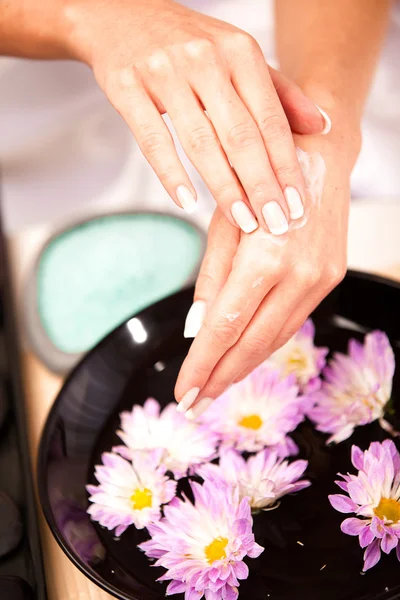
[(342, 503), (371, 555), (353, 526), (366, 537), (175, 587), (389, 542), (357, 457)]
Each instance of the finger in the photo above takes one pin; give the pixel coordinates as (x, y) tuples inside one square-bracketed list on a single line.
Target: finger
[(200, 142), (155, 141), (294, 322), (303, 115), (227, 318), (222, 243), (254, 346), (253, 83), (244, 146)]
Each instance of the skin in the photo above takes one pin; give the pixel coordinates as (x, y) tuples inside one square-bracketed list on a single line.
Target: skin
[(156, 56), (292, 279), (335, 70)]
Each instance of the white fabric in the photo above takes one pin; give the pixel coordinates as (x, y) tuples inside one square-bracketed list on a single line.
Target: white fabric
[(65, 152)]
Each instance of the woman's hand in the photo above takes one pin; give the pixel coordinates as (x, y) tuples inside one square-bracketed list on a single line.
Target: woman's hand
[(156, 56), (256, 293)]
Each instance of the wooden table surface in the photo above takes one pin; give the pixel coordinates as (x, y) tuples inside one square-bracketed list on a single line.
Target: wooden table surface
[(64, 580)]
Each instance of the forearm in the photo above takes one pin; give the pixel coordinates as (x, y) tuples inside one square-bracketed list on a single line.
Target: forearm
[(33, 29), (331, 48)]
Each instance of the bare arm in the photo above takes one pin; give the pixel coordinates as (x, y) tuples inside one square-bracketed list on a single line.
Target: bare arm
[(331, 48)]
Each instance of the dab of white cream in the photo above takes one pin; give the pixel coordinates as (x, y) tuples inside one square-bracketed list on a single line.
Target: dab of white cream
[(257, 282), (232, 316)]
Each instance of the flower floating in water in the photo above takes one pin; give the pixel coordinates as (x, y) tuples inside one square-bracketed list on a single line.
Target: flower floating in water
[(185, 443), (202, 546), (257, 412), (263, 478), (130, 492), (357, 387), (374, 496), (300, 357)]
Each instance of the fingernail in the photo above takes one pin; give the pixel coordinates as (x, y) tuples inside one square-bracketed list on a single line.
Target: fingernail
[(327, 121), (293, 199), (186, 198), (200, 408), (275, 218), (194, 319), (188, 400), (244, 217)]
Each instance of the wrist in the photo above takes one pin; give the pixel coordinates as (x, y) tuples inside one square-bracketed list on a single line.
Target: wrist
[(345, 115), (32, 29)]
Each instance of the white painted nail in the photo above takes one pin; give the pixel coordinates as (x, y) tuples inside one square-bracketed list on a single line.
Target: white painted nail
[(186, 198), (188, 400), (293, 199), (244, 217), (195, 318), (275, 218), (200, 408), (327, 120)]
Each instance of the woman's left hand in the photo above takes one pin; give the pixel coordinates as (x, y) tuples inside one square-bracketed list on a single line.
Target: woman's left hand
[(255, 293)]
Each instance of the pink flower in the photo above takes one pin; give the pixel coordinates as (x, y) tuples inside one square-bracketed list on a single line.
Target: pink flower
[(374, 496), (259, 411), (301, 358), (202, 546), (184, 443), (356, 389), (264, 478), (130, 492)]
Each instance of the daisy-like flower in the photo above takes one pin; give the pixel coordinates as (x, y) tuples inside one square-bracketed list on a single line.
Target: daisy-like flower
[(185, 443), (202, 546), (300, 357), (130, 492), (263, 478), (374, 496), (257, 412), (356, 389)]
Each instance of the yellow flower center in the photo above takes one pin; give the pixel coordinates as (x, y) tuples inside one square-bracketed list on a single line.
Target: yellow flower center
[(389, 508), (297, 362), (216, 550), (141, 499), (251, 422)]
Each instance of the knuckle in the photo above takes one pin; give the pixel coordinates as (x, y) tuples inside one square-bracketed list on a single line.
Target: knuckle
[(243, 41), (334, 273), (254, 346), (286, 173), (225, 333), (273, 127), (307, 274), (151, 141), (201, 48), (242, 135), (260, 192), (201, 140), (157, 62)]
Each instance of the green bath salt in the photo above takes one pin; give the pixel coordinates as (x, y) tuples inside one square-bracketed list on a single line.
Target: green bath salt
[(93, 276)]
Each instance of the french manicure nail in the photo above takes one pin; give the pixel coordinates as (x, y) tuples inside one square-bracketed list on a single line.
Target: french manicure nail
[(188, 400), (199, 409), (275, 218), (327, 121), (194, 319), (186, 198), (293, 199), (243, 216)]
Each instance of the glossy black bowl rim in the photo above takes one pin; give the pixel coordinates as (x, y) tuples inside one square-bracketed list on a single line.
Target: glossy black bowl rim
[(44, 440)]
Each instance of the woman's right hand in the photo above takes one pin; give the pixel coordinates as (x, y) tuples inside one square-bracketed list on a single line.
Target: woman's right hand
[(232, 113)]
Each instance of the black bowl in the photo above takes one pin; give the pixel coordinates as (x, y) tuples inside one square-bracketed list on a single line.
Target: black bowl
[(306, 555)]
